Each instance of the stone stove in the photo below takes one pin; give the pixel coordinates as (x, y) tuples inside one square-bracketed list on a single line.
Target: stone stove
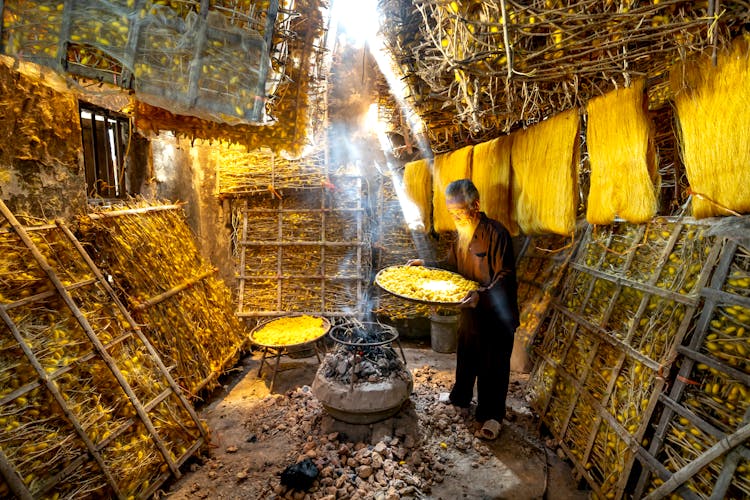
[(363, 380)]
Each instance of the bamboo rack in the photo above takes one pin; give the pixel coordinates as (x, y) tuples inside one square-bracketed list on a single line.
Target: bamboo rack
[(605, 349), (698, 448), (543, 57), (158, 271), (540, 265), (175, 290), (170, 55), (161, 411), (306, 252), (242, 173)]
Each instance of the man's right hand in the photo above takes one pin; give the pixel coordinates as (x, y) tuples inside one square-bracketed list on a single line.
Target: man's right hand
[(415, 262)]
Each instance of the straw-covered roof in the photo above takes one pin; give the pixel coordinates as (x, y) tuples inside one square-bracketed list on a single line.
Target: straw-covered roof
[(478, 69)]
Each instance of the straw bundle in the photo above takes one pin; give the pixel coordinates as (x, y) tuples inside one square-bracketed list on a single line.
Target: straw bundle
[(491, 174), (711, 107), (621, 175), (418, 188), (449, 167), (544, 161)]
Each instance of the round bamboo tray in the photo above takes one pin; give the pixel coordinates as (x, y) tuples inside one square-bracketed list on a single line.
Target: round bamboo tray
[(414, 299)]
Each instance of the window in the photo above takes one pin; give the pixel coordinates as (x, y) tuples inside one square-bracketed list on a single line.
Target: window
[(105, 137)]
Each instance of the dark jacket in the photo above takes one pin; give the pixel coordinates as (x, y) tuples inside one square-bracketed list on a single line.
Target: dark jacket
[(490, 262)]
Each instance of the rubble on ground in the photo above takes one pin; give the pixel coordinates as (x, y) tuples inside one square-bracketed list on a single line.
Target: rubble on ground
[(407, 463)]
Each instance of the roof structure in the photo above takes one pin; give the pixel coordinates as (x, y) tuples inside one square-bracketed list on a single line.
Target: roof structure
[(479, 69)]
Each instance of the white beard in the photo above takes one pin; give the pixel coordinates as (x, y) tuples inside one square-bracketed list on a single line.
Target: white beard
[(465, 234)]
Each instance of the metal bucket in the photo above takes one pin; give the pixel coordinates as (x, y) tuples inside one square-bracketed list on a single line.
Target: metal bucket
[(443, 333)]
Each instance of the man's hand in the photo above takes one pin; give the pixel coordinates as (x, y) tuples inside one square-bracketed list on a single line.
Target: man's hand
[(470, 301), (415, 262)]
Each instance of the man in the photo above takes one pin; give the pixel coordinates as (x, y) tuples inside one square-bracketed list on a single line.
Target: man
[(482, 252)]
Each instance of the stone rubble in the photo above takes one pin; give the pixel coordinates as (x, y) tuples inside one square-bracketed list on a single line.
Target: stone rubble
[(403, 465)]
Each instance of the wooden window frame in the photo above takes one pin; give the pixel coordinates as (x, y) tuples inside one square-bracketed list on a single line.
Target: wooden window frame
[(105, 148)]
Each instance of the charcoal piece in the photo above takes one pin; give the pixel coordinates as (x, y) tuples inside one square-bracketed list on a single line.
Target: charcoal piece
[(300, 476), (365, 369), (342, 367)]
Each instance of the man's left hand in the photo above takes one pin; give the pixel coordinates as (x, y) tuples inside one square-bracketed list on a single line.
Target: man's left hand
[(470, 300)]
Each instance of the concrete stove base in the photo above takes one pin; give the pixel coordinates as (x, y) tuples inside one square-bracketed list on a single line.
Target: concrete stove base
[(403, 425), (366, 402)]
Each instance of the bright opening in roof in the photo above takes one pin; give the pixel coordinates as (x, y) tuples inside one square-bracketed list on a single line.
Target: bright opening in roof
[(357, 19)]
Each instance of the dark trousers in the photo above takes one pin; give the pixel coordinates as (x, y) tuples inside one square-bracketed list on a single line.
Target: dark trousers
[(482, 356)]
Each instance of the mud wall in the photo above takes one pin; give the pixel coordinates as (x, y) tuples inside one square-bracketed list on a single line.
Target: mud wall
[(186, 173), (41, 168)]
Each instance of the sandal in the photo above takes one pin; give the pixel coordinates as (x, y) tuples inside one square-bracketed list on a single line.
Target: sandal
[(490, 430)]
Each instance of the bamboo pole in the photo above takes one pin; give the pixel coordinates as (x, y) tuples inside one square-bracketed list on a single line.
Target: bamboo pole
[(320, 243), (42, 227), (323, 238), (506, 44), (304, 210), (154, 355), (722, 447), (643, 287), (279, 254), (264, 314), (133, 211), (299, 276), (216, 373), (695, 356), (175, 290), (45, 295), (12, 478), (726, 476), (243, 260)]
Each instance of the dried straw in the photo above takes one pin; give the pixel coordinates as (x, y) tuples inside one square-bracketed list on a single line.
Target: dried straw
[(449, 167), (711, 107), (544, 164), (491, 173), (418, 188), (618, 145)]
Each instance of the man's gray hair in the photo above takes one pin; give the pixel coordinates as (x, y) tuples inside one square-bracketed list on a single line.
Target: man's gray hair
[(462, 190)]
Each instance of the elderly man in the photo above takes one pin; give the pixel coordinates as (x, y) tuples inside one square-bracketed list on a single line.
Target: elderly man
[(482, 252)]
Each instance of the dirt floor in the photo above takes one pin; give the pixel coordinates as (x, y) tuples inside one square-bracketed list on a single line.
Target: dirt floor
[(425, 451)]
